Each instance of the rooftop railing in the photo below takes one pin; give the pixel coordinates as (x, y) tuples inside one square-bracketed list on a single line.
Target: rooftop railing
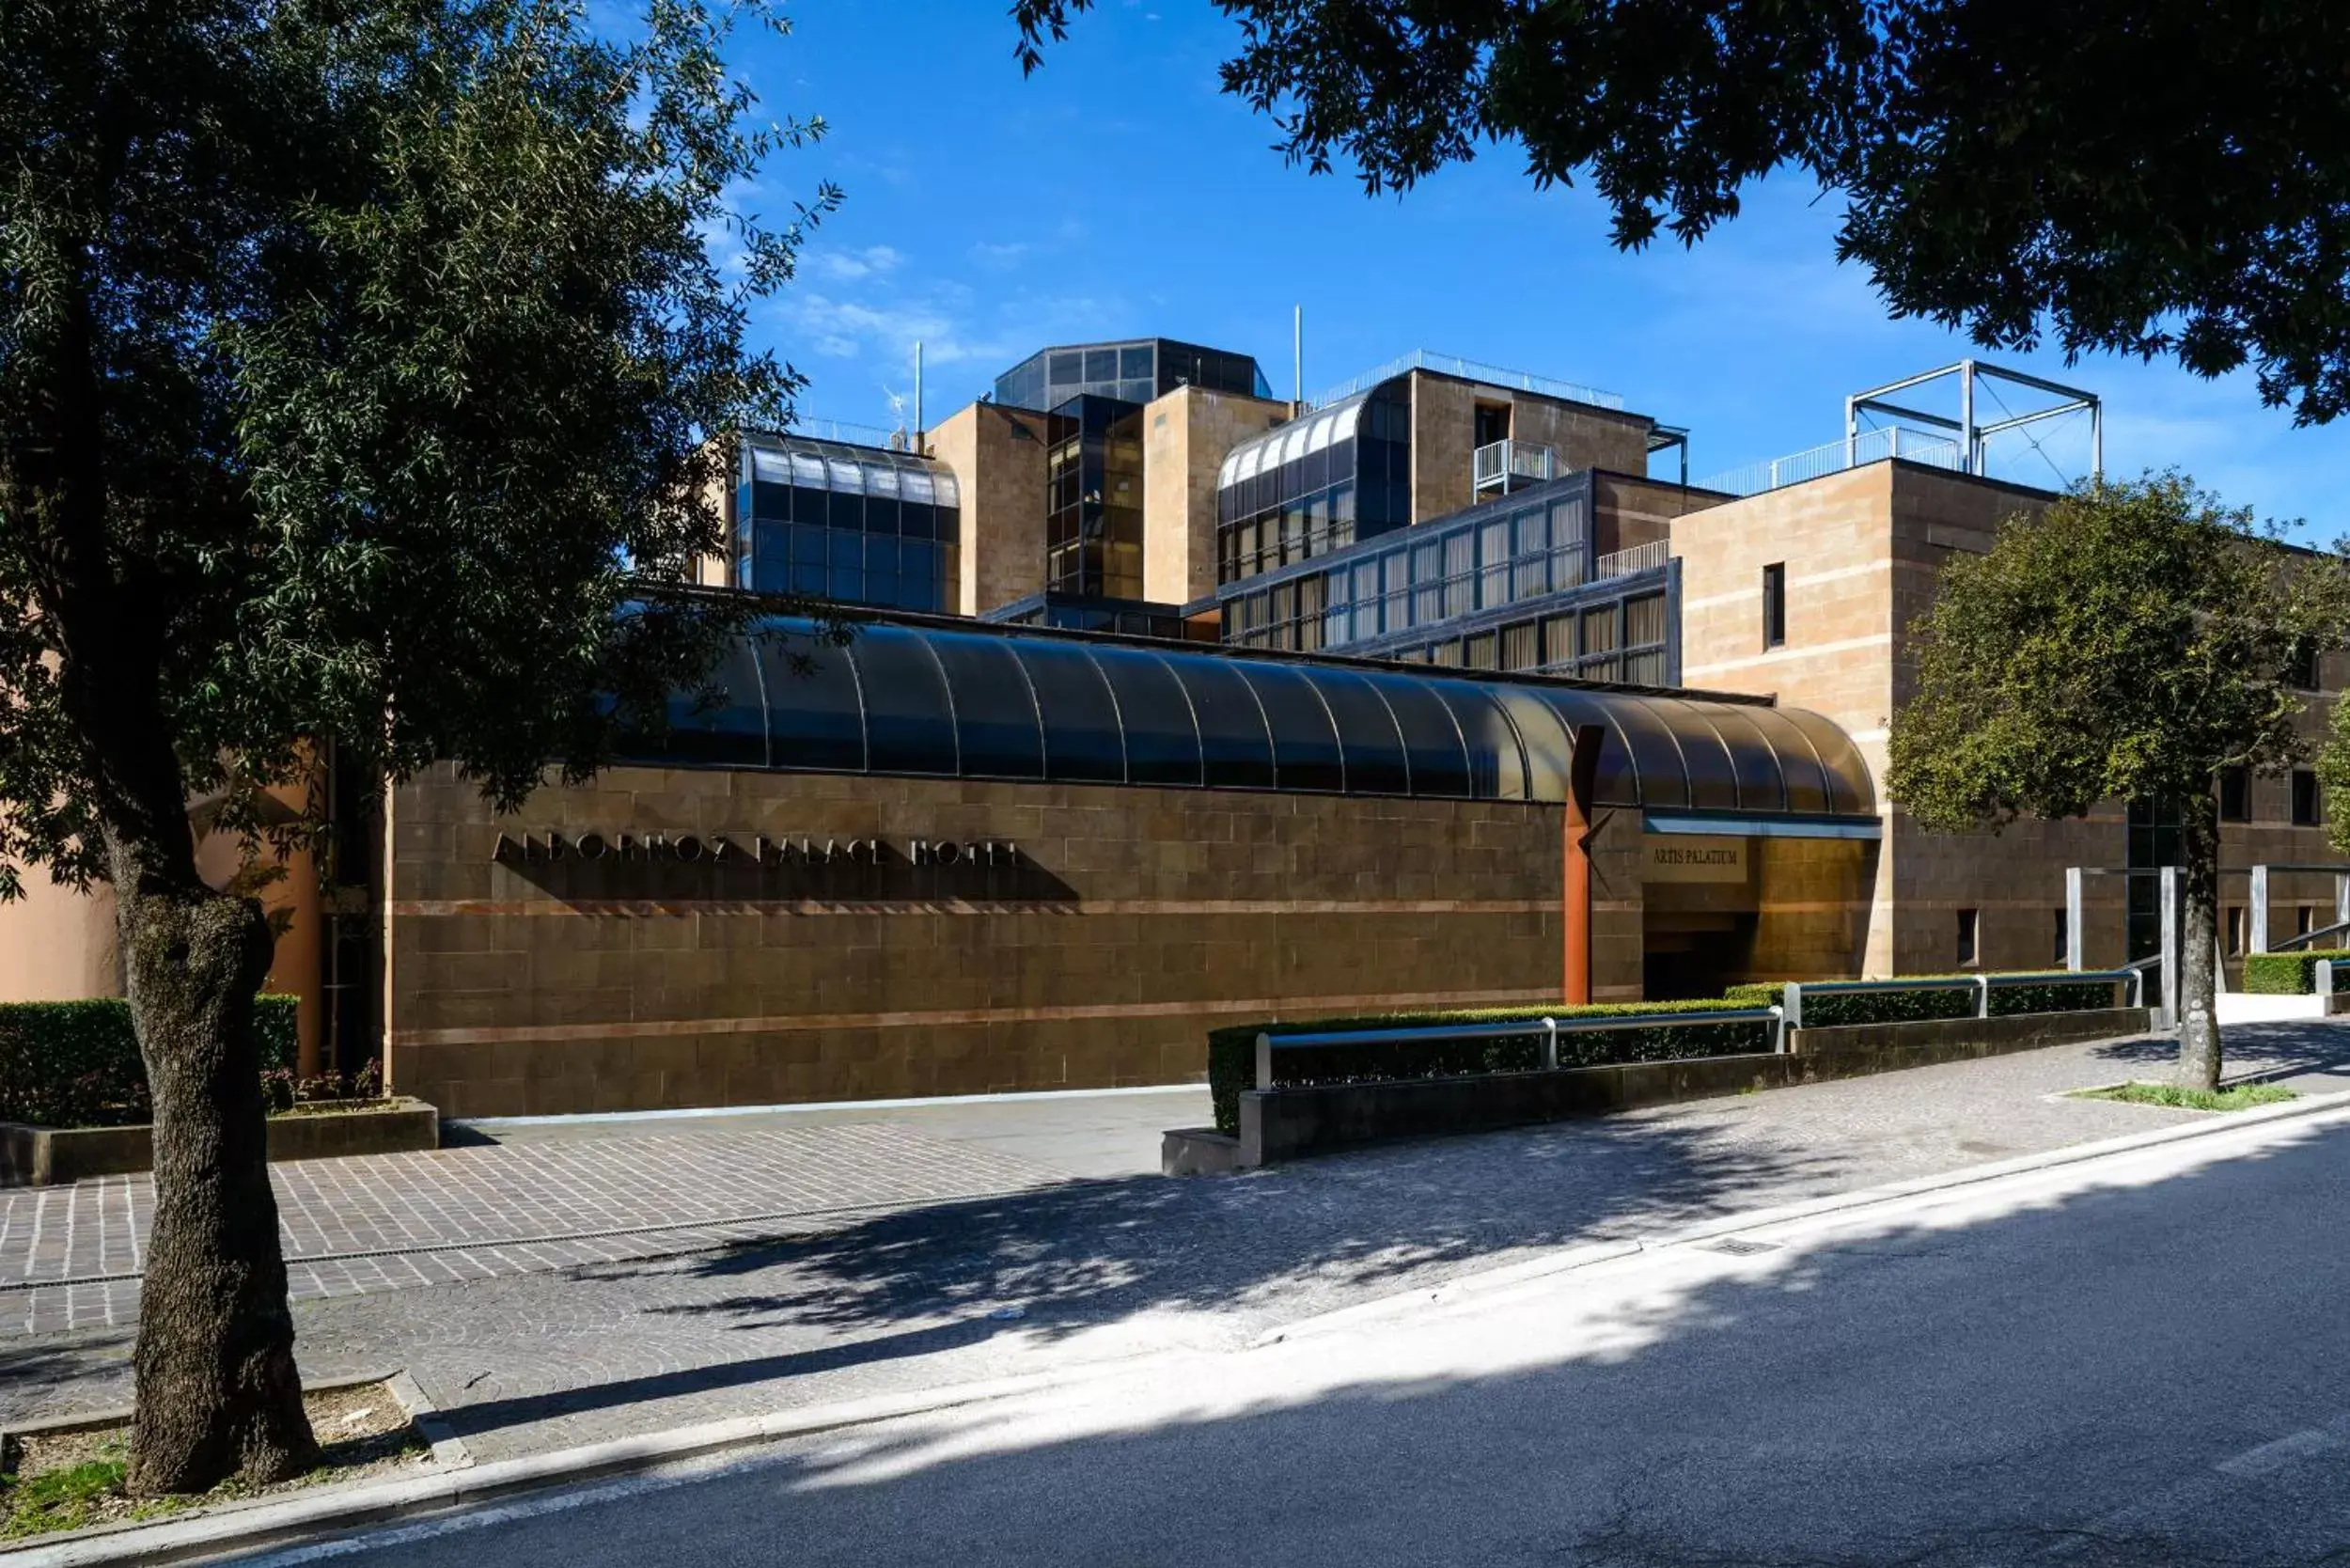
[(1467, 369), (1868, 446), (1638, 557)]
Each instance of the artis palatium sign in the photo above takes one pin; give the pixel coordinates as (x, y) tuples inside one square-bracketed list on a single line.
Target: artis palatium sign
[(747, 851), (1673, 858)]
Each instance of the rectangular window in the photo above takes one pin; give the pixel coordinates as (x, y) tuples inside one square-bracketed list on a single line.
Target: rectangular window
[(2303, 920), (1774, 605), (2305, 811), (1644, 621), (2235, 794), (2062, 952), (1521, 646), (1969, 929), (2301, 668), (2237, 926)]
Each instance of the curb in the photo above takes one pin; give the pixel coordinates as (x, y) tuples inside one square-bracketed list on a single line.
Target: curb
[(1591, 1254), (248, 1526)]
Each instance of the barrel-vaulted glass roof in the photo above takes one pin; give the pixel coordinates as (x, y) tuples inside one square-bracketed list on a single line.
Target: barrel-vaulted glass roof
[(947, 701)]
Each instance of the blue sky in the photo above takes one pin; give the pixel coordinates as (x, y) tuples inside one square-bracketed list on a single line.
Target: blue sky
[(1118, 192)]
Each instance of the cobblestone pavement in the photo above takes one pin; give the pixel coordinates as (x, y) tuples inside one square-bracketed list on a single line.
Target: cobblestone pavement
[(838, 1305), (69, 1255)]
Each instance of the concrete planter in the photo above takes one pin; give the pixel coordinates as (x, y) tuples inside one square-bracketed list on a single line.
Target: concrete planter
[(45, 1156), (1286, 1123)]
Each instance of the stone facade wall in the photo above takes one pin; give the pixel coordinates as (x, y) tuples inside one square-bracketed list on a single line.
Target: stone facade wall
[(1628, 511), (1133, 921), (998, 455), (1185, 437), (1444, 437)]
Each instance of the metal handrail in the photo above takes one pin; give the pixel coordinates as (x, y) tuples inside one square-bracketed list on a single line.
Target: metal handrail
[(2305, 938), (1983, 985), (1550, 1028)]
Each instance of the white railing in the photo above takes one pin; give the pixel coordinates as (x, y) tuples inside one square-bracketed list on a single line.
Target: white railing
[(1639, 558), (1467, 369), (1499, 461), (1868, 446), (850, 434)]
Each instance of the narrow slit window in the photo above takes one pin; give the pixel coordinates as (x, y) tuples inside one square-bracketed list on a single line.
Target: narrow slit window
[(1774, 605)]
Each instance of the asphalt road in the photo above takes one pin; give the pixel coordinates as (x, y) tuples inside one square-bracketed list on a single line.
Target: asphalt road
[(2136, 1360)]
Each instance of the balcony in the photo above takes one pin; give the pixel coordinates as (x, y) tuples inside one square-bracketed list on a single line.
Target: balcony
[(1507, 465)]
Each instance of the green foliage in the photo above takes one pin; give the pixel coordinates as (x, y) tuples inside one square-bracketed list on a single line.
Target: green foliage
[(76, 1064), (357, 366), (1232, 1050), (2136, 178), (1833, 1008), (2292, 974), (2180, 1097), (2128, 643), (60, 1500)]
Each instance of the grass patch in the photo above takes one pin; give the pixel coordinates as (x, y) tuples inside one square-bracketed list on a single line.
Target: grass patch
[(2178, 1097), (72, 1480)]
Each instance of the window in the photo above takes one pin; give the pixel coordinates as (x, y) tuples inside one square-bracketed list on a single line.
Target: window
[(2062, 952), (2305, 812), (1493, 423), (2235, 794), (1970, 927), (2301, 672), (2236, 927), (2303, 920), (1774, 605)]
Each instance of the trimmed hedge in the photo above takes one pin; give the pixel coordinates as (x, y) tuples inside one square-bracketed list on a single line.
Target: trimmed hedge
[(2292, 974), (1232, 1050), (76, 1064), (1833, 1008)]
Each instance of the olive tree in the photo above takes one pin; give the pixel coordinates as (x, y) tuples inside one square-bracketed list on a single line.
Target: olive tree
[(2127, 643), (358, 365)]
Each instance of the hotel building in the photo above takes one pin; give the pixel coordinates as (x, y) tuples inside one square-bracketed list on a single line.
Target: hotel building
[(1173, 705)]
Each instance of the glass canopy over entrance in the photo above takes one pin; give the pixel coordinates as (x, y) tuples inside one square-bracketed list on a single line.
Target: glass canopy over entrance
[(1003, 703)]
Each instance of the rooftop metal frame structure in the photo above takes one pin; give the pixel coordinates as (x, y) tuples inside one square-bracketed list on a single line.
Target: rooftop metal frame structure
[(1972, 432)]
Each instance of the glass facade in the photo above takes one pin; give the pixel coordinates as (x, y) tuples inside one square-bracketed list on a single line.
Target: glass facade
[(1093, 498), (857, 524), (1134, 617), (1507, 584), (1134, 371), (971, 702), (1316, 484)]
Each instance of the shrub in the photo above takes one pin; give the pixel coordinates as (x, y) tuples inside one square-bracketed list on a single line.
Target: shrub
[(1232, 1050), (2292, 974), (76, 1064), (1831, 1009)]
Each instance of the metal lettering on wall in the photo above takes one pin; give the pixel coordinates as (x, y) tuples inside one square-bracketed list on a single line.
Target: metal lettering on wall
[(752, 850), (1674, 859)]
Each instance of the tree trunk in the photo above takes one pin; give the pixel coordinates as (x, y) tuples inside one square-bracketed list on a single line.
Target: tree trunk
[(2199, 943), (217, 1392)]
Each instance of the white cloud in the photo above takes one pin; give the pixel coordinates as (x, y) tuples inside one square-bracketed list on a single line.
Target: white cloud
[(842, 266), (999, 257)]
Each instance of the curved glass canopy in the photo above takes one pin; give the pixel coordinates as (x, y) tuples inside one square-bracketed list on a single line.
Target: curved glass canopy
[(948, 703)]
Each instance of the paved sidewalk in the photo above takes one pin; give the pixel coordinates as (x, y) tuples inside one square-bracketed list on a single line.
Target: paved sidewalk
[(69, 1255), (1039, 1273)]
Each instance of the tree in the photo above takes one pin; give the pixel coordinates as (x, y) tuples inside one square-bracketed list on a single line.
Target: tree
[(2149, 177), (2128, 643), (357, 363)]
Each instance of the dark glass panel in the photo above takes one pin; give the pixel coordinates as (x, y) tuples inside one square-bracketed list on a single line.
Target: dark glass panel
[(1162, 740), (1752, 757), (1373, 746), (771, 500), (909, 719), (995, 717), (1713, 783), (815, 719), (1664, 778), (1431, 741), (1100, 365), (725, 723), (1134, 362), (1496, 762), (1068, 368), (1849, 788), (881, 514), (1547, 734), (1306, 754), (947, 524), (1234, 749)]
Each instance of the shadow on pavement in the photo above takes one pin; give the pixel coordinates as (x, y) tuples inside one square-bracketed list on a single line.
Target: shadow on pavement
[(2067, 1379)]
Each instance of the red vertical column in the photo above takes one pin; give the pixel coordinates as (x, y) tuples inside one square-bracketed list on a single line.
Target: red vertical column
[(1582, 778)]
